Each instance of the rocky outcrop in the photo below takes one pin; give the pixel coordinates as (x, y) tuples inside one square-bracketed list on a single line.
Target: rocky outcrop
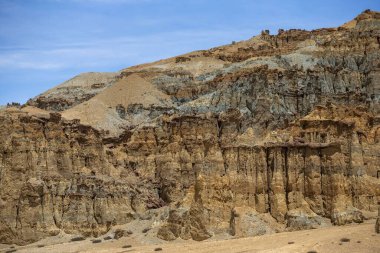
[(57, 175), (299, 176), (74, 91), (277, 133), (187, 223), (60, 175)]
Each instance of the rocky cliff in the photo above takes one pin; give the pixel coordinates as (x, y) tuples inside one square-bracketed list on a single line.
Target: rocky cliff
[(279, 132)]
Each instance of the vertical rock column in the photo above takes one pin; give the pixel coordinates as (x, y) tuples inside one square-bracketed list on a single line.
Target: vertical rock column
[(377, 225)]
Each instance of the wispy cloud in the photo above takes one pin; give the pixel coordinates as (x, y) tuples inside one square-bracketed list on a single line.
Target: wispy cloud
[(121, 51)]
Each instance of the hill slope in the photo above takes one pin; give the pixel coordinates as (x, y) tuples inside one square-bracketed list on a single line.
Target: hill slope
[(74, 91)]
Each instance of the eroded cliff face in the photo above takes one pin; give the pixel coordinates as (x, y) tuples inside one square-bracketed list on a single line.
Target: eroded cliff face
[(317, 168), (58, 175), (214, 177), (280, 132)]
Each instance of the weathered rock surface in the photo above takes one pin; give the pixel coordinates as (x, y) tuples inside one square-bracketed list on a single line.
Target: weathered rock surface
[(377, 225), (57, 175), (74, 91), (280, 132)]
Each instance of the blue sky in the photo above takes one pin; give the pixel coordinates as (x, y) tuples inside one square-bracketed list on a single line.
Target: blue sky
[(45, 42)]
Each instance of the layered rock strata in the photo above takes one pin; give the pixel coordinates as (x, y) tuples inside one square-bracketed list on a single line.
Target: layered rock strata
[(279, 132)]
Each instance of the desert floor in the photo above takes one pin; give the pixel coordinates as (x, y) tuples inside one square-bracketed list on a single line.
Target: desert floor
[(350, 238)]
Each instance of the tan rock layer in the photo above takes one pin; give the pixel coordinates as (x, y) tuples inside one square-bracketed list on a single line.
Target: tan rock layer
[(58, 175), (270, 134)]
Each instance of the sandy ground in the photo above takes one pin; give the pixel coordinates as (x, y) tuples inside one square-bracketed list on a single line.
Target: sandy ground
[(359, 238)]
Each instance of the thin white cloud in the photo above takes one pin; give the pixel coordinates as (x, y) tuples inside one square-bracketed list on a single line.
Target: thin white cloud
[(120, 51)]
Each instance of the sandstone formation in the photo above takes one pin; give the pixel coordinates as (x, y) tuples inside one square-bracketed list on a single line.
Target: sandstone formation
[(279, 132), (377, 225)]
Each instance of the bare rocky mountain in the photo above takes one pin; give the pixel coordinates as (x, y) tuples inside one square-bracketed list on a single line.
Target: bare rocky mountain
[(275, 133)]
